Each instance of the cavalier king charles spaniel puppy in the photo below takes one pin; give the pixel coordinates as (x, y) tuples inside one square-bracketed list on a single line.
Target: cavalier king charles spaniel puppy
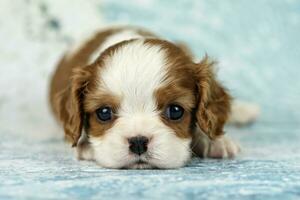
[(129, 99)]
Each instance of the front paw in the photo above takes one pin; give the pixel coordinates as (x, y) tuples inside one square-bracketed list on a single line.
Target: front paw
[(223, 147)]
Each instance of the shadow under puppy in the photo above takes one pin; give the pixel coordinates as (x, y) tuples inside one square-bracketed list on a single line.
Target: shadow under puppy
[(128, 99)]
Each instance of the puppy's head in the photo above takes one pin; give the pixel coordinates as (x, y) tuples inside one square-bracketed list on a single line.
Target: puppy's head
[(139, 104)]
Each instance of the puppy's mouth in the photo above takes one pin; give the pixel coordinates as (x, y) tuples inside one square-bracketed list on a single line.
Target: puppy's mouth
[(139, 164)]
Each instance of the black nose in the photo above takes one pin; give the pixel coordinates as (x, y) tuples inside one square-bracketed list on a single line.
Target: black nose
[(138, 145)]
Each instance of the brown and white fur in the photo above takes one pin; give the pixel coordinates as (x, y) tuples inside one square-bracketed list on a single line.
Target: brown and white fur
[(139, 75)]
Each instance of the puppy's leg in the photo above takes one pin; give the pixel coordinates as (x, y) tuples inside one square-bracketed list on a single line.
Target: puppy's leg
[(243, 113), (222, 147)]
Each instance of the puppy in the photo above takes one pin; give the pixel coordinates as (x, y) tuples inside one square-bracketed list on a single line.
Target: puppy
[(128, 99)]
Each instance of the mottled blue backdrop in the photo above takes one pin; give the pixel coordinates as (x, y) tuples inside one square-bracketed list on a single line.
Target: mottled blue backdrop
[(257, 46)]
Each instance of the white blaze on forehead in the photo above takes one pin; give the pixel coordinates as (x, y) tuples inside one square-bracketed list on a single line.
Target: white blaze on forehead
[(114, 39), (134, 72)]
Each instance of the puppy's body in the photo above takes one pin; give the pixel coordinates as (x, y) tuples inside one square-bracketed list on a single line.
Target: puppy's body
[(143, 82)]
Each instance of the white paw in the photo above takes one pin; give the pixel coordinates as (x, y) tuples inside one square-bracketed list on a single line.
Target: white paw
[(243, 113), (223, 147)]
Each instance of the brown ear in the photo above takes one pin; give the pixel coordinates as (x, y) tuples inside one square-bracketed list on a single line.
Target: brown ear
[(70, 104), (213, 100)]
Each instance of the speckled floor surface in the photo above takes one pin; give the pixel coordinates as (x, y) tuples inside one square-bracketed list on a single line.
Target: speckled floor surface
[(257, 45)]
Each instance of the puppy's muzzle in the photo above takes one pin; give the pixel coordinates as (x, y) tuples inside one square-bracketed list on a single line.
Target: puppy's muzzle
[(138, 145)]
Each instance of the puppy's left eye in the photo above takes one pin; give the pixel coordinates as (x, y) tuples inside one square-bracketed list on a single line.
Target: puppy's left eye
[(104, 113), (174, 112)]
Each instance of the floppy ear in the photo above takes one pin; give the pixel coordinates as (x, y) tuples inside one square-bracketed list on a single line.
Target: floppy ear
[(70, 104), (213, 100)]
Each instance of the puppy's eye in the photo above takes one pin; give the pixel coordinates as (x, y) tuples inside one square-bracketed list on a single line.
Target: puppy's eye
[(174, 112), (104, 113)]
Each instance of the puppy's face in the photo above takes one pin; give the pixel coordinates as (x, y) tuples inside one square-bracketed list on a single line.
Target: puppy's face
[(141, 100)]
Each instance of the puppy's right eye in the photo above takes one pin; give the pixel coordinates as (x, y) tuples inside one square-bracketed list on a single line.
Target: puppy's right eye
[(104, 113)]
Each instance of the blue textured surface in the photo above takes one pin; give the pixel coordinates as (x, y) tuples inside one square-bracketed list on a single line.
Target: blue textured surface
[(257, 45)]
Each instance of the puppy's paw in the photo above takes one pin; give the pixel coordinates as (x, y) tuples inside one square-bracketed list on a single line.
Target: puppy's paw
[(223, 147), (243, 113)]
